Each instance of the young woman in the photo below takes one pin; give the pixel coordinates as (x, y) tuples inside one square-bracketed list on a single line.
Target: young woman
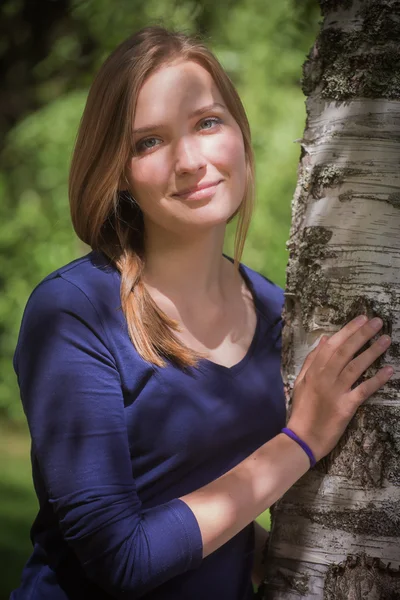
[(150, 369)]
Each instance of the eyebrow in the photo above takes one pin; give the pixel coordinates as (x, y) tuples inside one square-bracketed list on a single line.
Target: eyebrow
[(199, 111)]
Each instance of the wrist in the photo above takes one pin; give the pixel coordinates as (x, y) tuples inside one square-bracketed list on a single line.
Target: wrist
[(295, 456), (288, 431), (314, 441)]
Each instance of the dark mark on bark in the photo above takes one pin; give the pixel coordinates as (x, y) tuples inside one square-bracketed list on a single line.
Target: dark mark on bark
[(283, 578), (346, 196), (394, 199), (362, 578), (369, 451), (330, 175), (381, 521), (304, 278), (315, 236), (329, 6), (352, 195), (363, 63), (371, 308), (394, 351), (379, 18)]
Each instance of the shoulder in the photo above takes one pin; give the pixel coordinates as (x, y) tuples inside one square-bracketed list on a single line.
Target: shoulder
[(85, 273), (73, 298), (85, 281), (86, 289)]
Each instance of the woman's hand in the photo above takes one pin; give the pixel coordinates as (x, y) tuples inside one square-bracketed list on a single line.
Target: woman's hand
[(323, 401)]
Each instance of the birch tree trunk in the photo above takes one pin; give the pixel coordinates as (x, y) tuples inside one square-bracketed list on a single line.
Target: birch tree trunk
[(336, 534)]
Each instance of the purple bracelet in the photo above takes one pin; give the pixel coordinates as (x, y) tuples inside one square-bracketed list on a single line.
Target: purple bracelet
[(306, 448)]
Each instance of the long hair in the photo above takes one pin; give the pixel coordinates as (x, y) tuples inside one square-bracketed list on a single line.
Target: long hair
[(110, 221)]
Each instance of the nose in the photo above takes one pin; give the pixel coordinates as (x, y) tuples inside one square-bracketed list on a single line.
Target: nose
[(188, 157)]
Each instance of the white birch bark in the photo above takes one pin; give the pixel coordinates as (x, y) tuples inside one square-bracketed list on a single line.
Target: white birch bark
[(336, 534)]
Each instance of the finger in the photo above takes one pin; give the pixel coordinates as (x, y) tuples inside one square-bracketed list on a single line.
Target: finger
[(311, 357), (345, 343), (360, 364), (363, 391), (343, 355)]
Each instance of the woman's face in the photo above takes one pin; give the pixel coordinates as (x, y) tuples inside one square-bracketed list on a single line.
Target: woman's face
[(190, 170)]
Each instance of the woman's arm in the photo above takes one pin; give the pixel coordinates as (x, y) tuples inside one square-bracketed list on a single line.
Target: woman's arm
[(72, 396), (323, 405), (225, 506)]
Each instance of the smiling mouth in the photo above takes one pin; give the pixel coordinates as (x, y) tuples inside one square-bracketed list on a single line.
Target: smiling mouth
[(200, 192)]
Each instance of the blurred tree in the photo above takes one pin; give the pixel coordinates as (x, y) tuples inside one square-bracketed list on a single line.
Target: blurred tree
[(336, 533), (38, 38)]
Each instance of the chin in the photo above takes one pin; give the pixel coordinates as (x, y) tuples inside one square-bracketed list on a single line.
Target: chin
[(209, 215), (195, 216)]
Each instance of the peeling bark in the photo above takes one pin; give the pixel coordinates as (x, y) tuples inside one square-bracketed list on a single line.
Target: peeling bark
[(336, 533)]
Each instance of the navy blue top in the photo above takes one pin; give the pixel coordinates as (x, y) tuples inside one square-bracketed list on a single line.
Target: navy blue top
[(116, 441)]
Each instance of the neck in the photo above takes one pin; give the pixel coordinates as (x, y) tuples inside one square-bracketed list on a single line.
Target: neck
[(189, 270)]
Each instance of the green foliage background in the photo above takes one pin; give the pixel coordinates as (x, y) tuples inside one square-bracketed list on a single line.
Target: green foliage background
[(261, 43)]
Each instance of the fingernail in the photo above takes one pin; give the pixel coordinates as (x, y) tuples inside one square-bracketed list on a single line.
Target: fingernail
[(384, 340), (376, 323), (361, 319), (388, 371)]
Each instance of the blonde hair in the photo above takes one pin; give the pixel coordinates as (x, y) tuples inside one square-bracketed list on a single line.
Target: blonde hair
[(108, 220)]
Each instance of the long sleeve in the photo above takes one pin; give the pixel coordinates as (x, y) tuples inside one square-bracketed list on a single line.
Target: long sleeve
[(71, 393)]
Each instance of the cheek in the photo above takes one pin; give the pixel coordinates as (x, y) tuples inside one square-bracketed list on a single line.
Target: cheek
[(228, 155), (149, 180), (146, 174)]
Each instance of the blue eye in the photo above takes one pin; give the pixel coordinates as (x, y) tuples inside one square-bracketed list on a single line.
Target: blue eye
[(147, 144), (210, 122)]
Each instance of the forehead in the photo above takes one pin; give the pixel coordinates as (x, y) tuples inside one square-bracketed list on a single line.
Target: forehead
[(175, 90)]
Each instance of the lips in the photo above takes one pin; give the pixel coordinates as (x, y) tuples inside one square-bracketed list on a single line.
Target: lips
[(199, 192), (197, 188)]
